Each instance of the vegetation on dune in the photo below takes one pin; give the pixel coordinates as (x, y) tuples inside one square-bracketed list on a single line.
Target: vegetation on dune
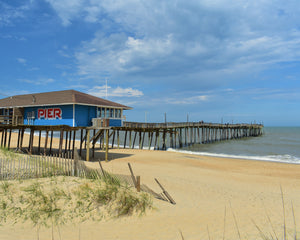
[(52, 202), (7, 152)]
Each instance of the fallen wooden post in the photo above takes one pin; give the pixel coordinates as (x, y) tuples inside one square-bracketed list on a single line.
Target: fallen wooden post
[(132, 175), (165, 192), (102, 170)]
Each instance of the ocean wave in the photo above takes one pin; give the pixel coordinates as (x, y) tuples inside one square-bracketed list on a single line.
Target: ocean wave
[(270, 158)]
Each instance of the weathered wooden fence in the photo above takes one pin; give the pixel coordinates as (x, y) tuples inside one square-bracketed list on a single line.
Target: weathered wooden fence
[(27, 167), (23, 167)]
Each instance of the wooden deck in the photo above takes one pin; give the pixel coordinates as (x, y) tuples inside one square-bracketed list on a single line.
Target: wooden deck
[(157, 136)]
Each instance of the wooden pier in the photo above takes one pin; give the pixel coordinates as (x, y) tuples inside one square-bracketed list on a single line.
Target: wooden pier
[(157, 136), (161, 136)]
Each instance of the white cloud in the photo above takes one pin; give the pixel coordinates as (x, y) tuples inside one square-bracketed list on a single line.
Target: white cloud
[(204, 43), (101, 91), (22, 61), (67, 9), (187, 100), (40, 81), (194, 38), (9, 13)]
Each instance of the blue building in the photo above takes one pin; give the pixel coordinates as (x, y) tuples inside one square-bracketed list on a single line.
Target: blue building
[(69, 107)]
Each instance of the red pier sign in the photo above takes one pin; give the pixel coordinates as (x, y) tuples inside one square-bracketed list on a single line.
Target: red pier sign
[(49, 113)]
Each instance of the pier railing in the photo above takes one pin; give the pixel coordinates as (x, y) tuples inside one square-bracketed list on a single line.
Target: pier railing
[(188, 124)]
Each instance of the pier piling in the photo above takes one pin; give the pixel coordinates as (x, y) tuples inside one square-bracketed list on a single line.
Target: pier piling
[(159, 136)]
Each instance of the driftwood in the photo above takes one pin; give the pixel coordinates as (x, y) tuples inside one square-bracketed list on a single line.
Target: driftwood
[(165, 192)]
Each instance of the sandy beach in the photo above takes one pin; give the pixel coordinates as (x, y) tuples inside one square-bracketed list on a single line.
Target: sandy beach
[(216, 198)]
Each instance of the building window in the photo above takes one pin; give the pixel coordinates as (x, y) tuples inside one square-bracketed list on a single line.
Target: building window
[(107, 113), (118, 113)]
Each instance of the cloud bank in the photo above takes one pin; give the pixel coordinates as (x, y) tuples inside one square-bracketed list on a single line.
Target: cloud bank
[(174, 41)]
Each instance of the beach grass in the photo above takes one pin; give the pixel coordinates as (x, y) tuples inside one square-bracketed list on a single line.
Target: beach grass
[(7, 152), (55, 201)]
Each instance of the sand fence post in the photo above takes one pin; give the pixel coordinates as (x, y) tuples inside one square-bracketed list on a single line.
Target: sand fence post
[(138, 183)]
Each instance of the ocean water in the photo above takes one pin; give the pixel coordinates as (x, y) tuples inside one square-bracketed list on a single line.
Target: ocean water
[(279, 144)]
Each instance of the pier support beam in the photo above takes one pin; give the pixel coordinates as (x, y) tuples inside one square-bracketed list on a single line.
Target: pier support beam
[(106, 145)]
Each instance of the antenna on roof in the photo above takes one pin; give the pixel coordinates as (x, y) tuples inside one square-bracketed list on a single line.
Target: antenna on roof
[(33, 99)]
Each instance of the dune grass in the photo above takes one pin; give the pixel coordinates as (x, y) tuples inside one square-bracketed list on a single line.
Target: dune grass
[(7, 152), (53, 202)]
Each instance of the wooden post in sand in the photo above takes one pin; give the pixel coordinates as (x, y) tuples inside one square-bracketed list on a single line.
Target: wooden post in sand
[(30, 147), (130, 140), (81, 140), (22, 137), (150, 141), (125, 138), (93, 144), (135, 133), (51, 141), (140, 140), (118, 139), (66, 142), (88, 145), (61, 138), (73, 146), (106, 147), (138, 183), (39, 146), (113, 139), (46, 142), (156, 137), (9, 138), (143, 140), (19, 134), (180, 137), (5, 137), (2, 131)]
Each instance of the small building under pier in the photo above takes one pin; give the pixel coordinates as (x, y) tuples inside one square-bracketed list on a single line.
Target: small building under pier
[(68, 107)]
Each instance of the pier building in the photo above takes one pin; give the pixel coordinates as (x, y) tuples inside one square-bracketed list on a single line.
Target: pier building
[(69, 107)]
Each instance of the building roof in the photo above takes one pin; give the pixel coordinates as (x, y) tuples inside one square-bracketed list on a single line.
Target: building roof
[(57, 98)]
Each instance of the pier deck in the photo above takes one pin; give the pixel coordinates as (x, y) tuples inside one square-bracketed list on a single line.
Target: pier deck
[(157, 136)]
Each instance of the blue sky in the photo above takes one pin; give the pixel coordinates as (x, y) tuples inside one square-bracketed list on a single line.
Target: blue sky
[(211, 60)]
